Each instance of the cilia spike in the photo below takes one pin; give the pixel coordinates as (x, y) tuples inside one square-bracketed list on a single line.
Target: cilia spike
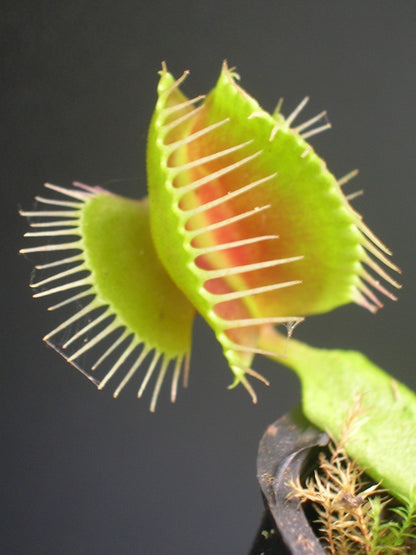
[(245, 224)]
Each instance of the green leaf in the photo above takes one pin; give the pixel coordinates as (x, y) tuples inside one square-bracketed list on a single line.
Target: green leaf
[(332, 381)]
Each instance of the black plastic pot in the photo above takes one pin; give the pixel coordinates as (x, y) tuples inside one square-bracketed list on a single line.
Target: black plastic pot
[(287, 450)]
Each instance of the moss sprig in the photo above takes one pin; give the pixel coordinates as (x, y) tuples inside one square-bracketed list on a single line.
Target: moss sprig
[(354, 514)]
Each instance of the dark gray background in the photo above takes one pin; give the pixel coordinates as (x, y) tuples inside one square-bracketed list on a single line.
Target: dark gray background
[(83, 473)]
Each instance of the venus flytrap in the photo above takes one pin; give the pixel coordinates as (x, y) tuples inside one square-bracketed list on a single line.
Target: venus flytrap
[(249, 228)]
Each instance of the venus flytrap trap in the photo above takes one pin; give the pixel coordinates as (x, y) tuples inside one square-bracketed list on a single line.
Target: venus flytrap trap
[(247, 226), (126, 293), (249, 222)]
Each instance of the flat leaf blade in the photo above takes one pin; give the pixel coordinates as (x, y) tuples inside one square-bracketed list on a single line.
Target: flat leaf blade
[(332, 381)]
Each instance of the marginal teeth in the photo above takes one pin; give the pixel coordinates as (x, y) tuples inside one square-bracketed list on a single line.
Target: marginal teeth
[(108, 330), (86, 328), (56, 202), (239, 372), (223, 223), (345, 178), (50, 214), (310, 122), (158, 385), (108, 352), (72, 299), (171, 147), (180, 106), (211, 274), (360, 299), (216, 175), (225, 297), (370, 295), (90, 189), (83, 312), (61, 262), (209, 158), (56, 233), (353, 196), (315, 131), (379, 270), (150, 370), (49, 248), (175, 379), (169, 126), (251, 372), (374, 239), (301, 129), (132, 371), (64, 287), (370, 247), (229, 196), (58, 276), (235, 244), (176, 84), (186, 369), (377, 285), (61, 223), (122, 358), (80, 195), (291, 118)]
